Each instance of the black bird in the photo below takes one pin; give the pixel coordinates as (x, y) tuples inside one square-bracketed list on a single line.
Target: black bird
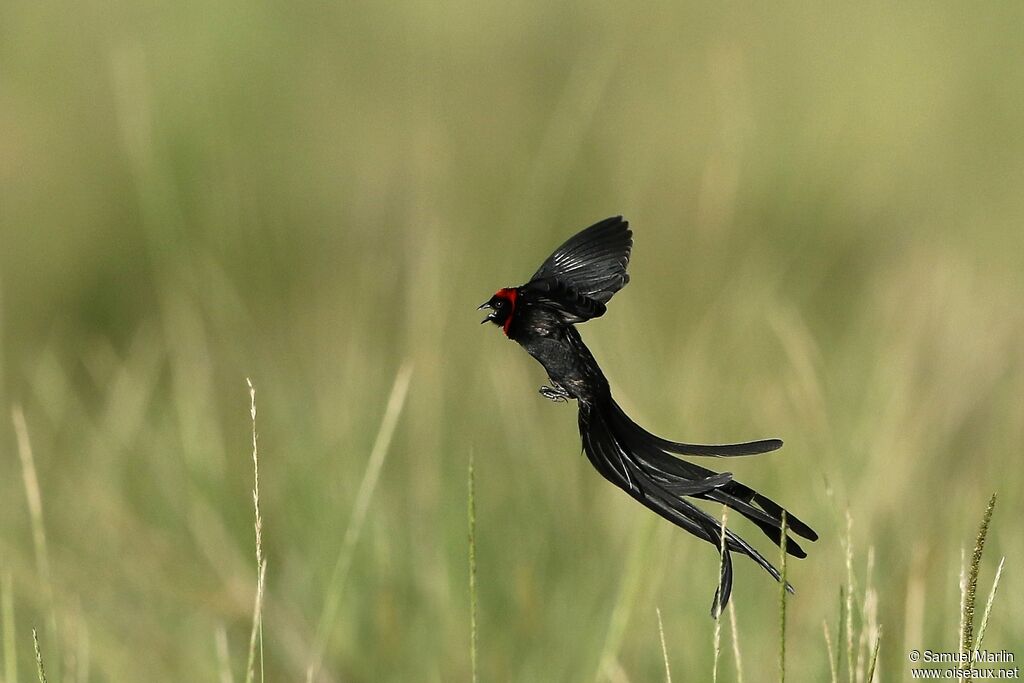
[(572, 286)]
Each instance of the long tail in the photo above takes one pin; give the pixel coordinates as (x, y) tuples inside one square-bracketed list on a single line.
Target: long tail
[(641, 464)]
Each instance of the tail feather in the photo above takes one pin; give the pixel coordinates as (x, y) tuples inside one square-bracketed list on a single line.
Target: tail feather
[(724, 450), (734, 494), (640, 463), (726, 494)]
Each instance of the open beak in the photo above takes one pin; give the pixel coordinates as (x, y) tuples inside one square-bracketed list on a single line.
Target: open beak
[(490, 317)]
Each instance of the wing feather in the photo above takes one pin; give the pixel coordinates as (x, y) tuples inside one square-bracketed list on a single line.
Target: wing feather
[(593, 262)]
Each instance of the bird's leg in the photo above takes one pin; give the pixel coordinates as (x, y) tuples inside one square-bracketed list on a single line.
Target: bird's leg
[(554, 393)]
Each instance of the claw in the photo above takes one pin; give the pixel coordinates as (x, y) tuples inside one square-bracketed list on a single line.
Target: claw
[(556, 394)]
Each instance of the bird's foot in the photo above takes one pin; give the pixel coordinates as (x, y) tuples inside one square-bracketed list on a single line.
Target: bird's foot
[(556, 394)]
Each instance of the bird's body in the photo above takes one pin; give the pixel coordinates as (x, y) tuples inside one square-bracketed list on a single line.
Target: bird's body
[(572, 286), (559, 348)]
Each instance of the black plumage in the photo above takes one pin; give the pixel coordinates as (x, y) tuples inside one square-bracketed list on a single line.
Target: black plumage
[(572, 286)]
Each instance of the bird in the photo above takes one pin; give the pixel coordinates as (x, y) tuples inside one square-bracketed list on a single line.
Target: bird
[(574, 285)]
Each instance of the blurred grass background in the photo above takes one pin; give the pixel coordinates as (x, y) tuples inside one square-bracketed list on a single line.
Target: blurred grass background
[(829, 248)]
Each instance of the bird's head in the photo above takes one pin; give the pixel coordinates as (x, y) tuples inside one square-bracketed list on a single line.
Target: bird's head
[(502, 305)]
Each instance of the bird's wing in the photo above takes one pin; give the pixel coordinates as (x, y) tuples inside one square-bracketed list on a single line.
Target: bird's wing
[(571, 306), (592, 263)]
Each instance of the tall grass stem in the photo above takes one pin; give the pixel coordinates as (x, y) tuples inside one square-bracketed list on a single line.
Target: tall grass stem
[(7, 624), (40, 670), (874, 657), (367, 487), (717, 609), (735, 642), (782, 599), (988, 605), (471, 516), (664, 650), (35, 509), (257, 614), (223, 655), (847, 607), (971, 587), (830, 649), (631, 580), (261, 562)]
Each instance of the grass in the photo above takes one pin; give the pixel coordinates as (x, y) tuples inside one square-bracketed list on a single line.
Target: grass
[(40, 669), (471, 518), (828, 249), (256, 635), (632, 575), (988, 605), (223, 655), (861, 662), (35, 510), (833, 667), (664, 648), (969, 642), (42, 557), (716, 611), (967, 638), (342, 565), (782, 600), (735, 642), (7, 622), (610, 667)]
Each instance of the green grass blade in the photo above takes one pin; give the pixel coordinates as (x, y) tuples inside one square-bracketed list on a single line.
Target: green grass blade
[(664, 650), (381, 446), (257, 614), (782, 600), (471, 514), (717, 612), (971, 585), (988, 605), (830, 648), (874, 657), (223, 655), (7, 622), (841, 632), (632, 578), (256, 636), (40, 670), (35, 509), (848, 603), (735, 641)]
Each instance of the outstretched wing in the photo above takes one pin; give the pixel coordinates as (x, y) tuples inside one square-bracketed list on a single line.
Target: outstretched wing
[(592, 263)]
